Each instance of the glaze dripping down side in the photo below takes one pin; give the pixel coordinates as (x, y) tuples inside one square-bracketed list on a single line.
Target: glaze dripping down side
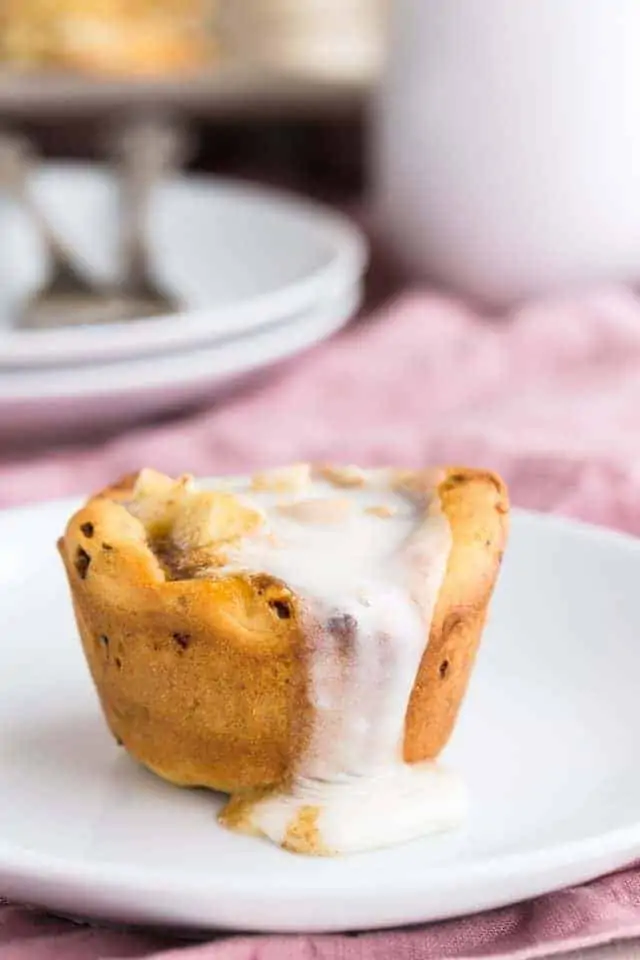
[(366, 562)]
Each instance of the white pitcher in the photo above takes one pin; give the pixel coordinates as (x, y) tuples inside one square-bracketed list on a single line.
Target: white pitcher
[(507, 143)]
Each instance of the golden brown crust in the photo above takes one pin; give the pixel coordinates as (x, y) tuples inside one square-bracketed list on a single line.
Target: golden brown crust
[(203, 679), (476, 505), (181, 667)]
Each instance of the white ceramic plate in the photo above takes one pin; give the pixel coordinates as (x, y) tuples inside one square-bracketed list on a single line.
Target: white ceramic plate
[(547, 740), (64, 401), (238, 256)]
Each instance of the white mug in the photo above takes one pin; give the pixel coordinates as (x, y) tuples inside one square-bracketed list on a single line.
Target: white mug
[(507, 143)]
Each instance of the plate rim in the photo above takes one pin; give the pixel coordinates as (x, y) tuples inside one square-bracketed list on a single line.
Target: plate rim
[(168, 369)]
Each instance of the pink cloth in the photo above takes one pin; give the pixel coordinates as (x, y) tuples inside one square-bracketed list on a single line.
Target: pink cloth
[(549, 396)]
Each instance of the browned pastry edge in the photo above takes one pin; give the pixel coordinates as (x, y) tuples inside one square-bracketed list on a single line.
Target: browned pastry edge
[(476, 504), (201, 679)]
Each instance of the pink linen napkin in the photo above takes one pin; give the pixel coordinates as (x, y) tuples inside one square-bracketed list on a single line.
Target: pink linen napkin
[(549, 396)]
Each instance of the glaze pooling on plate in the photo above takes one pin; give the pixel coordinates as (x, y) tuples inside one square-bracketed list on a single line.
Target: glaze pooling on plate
[(367, 561)]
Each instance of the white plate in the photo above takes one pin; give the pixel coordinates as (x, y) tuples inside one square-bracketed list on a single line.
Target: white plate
[(547, 740), (238, 256), (96, 396)]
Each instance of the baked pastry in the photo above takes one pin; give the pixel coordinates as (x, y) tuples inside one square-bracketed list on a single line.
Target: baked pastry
[(301, 640), (110, 37)]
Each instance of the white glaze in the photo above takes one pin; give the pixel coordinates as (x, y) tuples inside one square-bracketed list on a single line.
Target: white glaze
[(368, 585)]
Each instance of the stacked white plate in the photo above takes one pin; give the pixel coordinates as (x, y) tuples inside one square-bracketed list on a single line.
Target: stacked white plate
[(262, 276)]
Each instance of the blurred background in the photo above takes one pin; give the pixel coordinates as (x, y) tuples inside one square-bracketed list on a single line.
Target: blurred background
[(102, 104), (275, 89), (401, 230)]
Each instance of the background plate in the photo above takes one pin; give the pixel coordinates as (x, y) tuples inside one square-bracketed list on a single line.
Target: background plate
[(238, 257), (77, 401)]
